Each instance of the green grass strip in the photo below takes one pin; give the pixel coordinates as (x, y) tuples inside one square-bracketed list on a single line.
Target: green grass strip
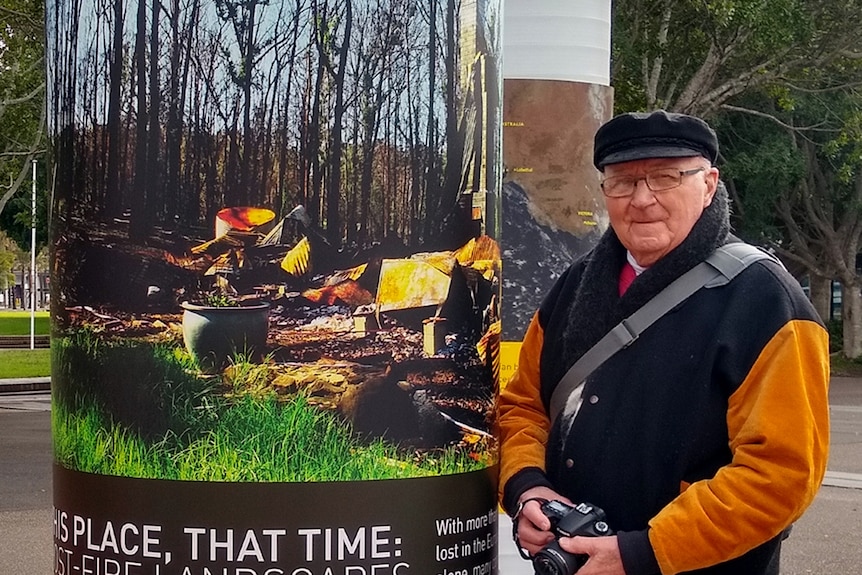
[(16, 363), (254, 441), (18, 323)]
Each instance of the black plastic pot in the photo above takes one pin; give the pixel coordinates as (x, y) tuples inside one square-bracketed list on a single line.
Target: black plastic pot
[(213, 335)]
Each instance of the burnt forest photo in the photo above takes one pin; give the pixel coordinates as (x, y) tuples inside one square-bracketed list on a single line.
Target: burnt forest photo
[(274, 237)]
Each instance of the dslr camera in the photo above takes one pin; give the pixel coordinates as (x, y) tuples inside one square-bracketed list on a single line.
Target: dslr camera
[(582, 519)]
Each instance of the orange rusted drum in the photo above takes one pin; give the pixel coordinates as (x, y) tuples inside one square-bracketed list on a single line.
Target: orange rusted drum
[(242, 219)]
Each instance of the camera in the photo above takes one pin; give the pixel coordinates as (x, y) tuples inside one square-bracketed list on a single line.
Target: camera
[(582, 519)]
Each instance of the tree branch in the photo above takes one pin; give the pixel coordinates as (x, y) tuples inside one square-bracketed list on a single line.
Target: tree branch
[(787, 127), (26, 167)]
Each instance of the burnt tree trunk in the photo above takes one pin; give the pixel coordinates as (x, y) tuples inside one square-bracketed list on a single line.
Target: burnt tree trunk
[(138, 226), (113, 197)]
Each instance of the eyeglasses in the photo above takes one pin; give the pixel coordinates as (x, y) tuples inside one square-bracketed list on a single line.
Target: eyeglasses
[(657, 181)]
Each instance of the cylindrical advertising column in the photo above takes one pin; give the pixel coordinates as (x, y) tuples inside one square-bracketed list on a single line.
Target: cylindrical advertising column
[(275, 286), (557, 94)]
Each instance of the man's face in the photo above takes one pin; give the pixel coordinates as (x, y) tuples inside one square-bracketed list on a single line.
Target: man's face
[(651, 224)]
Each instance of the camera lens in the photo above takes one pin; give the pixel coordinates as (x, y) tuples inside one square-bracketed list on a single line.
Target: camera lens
[(552, 560)]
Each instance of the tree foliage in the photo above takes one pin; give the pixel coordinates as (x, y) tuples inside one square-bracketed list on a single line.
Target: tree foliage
[(780, 81), (9, 255), (22, 118), (796, 161), (695, 56), (162, 113)]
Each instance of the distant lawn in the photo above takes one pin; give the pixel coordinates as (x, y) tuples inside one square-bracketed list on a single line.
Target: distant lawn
[(18, 322), (25, 363), (841, 366)]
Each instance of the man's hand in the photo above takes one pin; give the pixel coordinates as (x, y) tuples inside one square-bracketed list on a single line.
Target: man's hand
[(604, 553), (532, 525)]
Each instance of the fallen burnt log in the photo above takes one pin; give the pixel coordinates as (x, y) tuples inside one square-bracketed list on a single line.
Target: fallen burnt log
[(420, 404)]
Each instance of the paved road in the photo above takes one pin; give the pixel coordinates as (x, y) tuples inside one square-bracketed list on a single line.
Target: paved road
[(25, 485), (825, 541)]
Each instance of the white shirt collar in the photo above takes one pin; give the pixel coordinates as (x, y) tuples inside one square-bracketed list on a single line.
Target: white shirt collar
[(631, 259)]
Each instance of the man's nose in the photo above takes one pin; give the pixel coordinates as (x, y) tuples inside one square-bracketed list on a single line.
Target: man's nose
[(642, 194)]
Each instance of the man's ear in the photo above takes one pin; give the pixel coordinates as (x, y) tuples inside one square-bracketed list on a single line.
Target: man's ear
[(711, 185)]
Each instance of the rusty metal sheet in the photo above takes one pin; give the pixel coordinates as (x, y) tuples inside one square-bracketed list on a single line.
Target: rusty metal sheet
[(478, 249), (443, 261), (297, 261), (408, 284), (225, 242), (480, 254)]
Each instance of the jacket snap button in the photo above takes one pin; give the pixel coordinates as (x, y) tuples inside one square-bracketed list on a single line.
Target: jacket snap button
[(594, 399), (570, 463)]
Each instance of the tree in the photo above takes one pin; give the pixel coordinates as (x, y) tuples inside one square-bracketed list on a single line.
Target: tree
[(797, 166), (695, 57), (245, 16), (330, 20), (8, 257), (779, 80), (22, 110)]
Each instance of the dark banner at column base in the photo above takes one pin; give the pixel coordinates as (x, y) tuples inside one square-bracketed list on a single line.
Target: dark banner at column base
[(106, 525)]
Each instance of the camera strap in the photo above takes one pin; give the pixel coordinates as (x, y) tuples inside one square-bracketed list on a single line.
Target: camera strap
[(725, 263)]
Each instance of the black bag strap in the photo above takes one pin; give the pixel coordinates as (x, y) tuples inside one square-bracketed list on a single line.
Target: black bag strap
[(725, 263)]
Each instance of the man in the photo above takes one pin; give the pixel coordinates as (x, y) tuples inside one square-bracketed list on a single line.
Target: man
[(707, 437)]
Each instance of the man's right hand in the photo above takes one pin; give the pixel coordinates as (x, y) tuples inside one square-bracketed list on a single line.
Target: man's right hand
[(533, 527)]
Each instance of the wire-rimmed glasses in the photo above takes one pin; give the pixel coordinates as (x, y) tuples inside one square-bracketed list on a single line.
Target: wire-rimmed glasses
[(656, 180)]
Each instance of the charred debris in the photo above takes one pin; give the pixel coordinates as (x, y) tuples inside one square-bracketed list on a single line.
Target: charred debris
[(370, 334)]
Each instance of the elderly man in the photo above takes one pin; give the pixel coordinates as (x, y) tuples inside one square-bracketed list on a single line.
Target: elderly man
[(705, 438)]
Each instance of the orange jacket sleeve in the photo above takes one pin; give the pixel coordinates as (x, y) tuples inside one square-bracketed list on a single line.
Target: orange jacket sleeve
[(522, 421), (778, 425)]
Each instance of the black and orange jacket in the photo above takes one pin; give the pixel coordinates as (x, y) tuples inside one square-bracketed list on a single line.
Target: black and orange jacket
[(702, 441)]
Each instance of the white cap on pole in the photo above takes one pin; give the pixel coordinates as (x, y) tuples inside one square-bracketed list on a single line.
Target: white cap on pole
[(557, 40)]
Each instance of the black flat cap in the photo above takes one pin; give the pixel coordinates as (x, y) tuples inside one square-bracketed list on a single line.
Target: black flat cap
[(659, 134)]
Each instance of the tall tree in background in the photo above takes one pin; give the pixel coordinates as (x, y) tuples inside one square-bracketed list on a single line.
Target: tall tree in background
[(695, 57), (374, 51), (334, 27), (22, 114), (244, 18), (796, 166), (179, 201), (113, 193), (140, 218), (155, 196), (756, 68)]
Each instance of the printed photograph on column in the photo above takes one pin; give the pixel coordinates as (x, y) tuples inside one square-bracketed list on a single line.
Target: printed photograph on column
[(264, 208), (275, 282)]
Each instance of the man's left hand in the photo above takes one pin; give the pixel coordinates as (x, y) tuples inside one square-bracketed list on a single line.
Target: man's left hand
[(604, 553)]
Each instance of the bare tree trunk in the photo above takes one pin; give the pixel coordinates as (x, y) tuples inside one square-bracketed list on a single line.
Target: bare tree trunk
[(820, 290), (113, 198), (179, 201), (285, 114), (305, 141), (315, 124), (244, 151), (416, 190), (138, 226), (155, 192), (454, 140), (851, 314), (313, 151), (333, 192)]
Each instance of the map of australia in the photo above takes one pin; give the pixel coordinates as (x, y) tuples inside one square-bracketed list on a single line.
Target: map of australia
[(552, 206)]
